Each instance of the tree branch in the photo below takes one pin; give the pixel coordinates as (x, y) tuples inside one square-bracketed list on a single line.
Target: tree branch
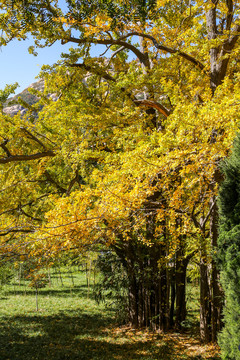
[(209, 213), (15, 230), (52, 181), (233, 39), (33, 137), (108, 77), (170, 50), (28, 215), (155, 105), (18, 158), (3, 146), (31, 202), (77, 179), (115, 53), (229, 14), (141, 56)]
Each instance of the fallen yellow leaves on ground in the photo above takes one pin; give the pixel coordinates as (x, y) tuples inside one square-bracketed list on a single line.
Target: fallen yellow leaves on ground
[(180, 343)]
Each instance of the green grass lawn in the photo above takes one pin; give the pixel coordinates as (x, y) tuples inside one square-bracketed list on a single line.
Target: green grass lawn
[(70, 325)]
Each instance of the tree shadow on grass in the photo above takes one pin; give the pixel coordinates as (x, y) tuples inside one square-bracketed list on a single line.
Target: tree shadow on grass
[(75, 336)]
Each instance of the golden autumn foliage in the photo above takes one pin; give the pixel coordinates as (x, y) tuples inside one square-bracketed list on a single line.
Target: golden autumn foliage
[(130, 150)]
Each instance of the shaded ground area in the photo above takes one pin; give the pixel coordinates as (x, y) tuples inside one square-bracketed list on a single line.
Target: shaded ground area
[(85, 337), (70, 325)]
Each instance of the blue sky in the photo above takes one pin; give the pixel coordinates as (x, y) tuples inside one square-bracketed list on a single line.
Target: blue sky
[(17, 65)]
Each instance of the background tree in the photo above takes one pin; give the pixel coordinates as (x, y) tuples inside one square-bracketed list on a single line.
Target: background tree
[(228, 253)]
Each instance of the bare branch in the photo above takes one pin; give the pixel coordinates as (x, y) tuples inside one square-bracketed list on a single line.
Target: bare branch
[(45, 137), (54, 182), (142, 57), (76, 179), (33, 137), (28, 215), (171, 50), (18, 158), (108, 47), (115, 53), (94, 70), (3, 146), (209, 212), (229, 4), (73, 222), (156, 44), (233, 39), (155, 105), (16, 230)]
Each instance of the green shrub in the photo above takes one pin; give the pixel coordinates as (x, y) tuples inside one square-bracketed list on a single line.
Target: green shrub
[(6, 273), (112, 285)]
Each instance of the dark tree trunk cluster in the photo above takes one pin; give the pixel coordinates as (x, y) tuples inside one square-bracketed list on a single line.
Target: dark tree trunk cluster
[(157, 285), (156, 290)]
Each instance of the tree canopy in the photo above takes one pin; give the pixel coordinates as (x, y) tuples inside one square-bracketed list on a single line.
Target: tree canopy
[(128, 155)]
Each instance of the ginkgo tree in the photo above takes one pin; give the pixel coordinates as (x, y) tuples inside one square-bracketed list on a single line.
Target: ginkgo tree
[(128, 156)]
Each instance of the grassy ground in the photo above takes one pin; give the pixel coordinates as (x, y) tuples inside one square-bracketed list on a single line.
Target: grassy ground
[(70, 325)]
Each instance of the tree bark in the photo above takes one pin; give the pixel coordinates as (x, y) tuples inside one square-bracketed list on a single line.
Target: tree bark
[(205, 305), (216, 293), (181, 269), (220, 55), (172, 285)]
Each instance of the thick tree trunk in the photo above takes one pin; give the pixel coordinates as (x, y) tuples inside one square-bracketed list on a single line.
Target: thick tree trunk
[(216, 293), (172, 285), (163, 319), (133, 295), (205, 305), (126, 252), (133, 302), (181, 269), (148, 299), (210, 293), (218, 59), (147, 284)]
